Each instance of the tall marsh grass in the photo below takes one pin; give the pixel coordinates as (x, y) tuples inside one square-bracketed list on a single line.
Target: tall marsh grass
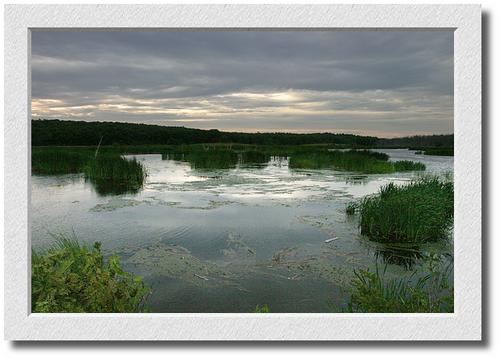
[(416, 213), (115, 174), (109, 172), (55, 161), (365, 161)]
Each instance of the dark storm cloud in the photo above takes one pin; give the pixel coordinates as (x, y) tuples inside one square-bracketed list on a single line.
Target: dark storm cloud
[(394, 82)]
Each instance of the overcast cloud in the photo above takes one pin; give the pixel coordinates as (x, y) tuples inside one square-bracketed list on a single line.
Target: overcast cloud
[(386, 83)]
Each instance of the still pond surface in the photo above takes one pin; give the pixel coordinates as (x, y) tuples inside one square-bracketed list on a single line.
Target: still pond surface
[(226, 240)]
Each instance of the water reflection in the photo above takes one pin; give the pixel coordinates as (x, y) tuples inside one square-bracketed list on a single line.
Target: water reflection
[(105, 187), (206, 160), (220, 159), (236, 216), (406, 257), (357, 180)]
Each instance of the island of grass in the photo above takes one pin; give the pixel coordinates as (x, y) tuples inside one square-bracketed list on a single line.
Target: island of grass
[(365, 161), (108, 171), (419, 212)]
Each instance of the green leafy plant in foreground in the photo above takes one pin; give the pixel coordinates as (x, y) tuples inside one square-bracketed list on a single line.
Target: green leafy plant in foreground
[(373, 293), (419, 212), (262, 309), (69, 277)]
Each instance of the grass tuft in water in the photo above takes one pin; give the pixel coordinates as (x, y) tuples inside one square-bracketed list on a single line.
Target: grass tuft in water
[(69, 277), (416, 213), (406, 165), (111, 174)]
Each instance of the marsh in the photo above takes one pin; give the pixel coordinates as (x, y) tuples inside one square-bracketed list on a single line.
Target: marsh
[(226, 238)]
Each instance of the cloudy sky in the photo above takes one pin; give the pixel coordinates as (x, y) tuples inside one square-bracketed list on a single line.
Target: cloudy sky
[(383, 83)]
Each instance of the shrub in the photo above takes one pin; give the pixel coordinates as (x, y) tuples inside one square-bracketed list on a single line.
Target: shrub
[(416, 213), (69, 277)]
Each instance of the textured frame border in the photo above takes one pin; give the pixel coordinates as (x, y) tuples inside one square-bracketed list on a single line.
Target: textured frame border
[(464, 324)]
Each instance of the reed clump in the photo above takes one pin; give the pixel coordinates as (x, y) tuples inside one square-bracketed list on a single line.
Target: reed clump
[(112, 174), (366, 161), (419, 212), (69, 277), (406, 165)]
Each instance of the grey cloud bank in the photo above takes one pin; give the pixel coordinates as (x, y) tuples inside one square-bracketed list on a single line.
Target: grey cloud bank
[(386, 83)]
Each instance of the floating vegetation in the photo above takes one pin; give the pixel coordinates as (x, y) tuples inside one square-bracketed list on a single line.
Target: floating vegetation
[(373, 292), (175, 262), (237, 248), (69, 277), (115, 203), (416, 213)]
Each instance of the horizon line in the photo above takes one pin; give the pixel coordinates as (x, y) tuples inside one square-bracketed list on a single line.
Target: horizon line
[(355, 132)]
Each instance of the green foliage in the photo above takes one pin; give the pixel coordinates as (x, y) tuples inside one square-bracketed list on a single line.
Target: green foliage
[(52, 161), (71, 133), (361, 161), (254, 157), (109, 172), (406, 165), (69, 277), (417, 142), (439, 151), (351, 208), (416, 213), (262, 309), (366, 161), (112, 174), (373, 293)]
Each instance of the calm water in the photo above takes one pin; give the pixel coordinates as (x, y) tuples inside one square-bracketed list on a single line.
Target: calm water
[(227, 240)]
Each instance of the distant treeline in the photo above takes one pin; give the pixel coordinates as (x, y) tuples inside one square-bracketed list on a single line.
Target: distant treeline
[(418, 142), (79, 133)]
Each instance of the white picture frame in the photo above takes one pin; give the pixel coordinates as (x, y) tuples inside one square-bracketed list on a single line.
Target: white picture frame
[(464, 324)]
